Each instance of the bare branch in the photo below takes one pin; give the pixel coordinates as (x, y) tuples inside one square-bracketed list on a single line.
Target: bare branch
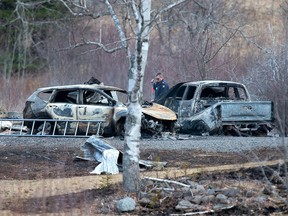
[(167, 181), (117, 24), (223, 44), (99, 45), (84, 10), (169, 7)]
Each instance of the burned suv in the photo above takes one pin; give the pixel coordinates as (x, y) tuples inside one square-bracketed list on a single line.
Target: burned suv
[(79, 103)]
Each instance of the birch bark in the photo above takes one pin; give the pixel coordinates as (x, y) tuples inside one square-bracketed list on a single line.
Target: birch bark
[(131, 172), (137, 54)]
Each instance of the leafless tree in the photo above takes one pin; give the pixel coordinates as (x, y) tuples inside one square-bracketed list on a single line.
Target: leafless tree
[(19, 45), (267, 75), (133, 22), (206, 28), (268, 78)]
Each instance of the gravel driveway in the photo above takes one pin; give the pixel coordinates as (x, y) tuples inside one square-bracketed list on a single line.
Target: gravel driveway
[(215, 143), (208, 143)]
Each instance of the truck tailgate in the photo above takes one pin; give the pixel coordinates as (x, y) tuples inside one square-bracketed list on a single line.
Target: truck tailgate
[(247, 111)]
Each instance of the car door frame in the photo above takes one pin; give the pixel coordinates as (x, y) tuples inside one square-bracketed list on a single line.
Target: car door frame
[(99, 112), (63, 109)]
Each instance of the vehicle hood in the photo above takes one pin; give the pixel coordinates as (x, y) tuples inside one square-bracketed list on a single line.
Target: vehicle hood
[(159, 112)]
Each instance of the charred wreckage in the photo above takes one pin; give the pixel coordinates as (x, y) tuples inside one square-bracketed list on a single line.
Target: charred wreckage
[(75, 107), (218, 107), (196, 108)]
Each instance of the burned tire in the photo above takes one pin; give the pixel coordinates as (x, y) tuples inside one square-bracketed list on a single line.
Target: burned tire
[(261, 132), (199, 127), (120, 128), (174, 127), (46, 128)]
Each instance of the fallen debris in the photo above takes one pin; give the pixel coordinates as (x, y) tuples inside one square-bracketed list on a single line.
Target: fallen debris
[(188, 198), (11, 126), (109, 157), (167, 181), (4, 125)]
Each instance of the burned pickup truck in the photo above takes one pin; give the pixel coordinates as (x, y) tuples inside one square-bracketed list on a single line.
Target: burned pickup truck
[(218, 107), (80, 104)]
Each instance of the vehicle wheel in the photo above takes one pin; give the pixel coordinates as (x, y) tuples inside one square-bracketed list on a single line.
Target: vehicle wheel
[(261, 132), (48, 130), (174, 127), (235, 132), (200, 128), (120, 128)]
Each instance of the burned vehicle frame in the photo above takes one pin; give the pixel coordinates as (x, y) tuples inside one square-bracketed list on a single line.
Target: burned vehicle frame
[(91, 101), (218, 107)]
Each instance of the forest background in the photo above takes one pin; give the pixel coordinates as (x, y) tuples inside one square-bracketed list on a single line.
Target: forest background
[(43, 44)]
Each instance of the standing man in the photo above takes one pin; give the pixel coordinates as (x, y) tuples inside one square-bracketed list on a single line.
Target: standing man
[(160, 86)]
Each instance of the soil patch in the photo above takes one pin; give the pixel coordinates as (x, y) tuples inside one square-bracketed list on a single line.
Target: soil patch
[(74, 191)]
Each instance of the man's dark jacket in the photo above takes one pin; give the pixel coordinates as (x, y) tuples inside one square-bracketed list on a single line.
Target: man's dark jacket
[(160, 88)]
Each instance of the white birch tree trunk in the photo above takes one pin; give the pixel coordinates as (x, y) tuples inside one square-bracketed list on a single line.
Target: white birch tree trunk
[(131, 172), (141, 27)]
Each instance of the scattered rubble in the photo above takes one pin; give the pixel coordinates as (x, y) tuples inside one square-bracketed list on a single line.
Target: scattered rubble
[(4, 125), (187, 197), (7, 125), (11, 127)]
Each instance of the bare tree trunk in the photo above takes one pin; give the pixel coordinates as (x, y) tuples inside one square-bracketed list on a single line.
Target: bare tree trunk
[(138, 16), (131, 172)]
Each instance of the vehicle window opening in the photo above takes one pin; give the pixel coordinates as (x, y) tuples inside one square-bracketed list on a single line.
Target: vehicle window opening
[(213, 92), (66, 97), (242, 94), (190, 92), (108, 93), (180, 92), (45, 95), (120, 96), (232, 93), (91, 97)]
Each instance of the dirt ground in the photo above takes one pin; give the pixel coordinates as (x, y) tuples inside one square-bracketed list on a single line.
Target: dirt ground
[(49, 181)]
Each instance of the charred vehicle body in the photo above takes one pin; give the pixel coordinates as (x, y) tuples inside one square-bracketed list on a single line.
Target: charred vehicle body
[(218, 107), (91, 101)]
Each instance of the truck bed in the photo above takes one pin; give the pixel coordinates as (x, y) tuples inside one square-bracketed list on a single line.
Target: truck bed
[(247, 111)]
